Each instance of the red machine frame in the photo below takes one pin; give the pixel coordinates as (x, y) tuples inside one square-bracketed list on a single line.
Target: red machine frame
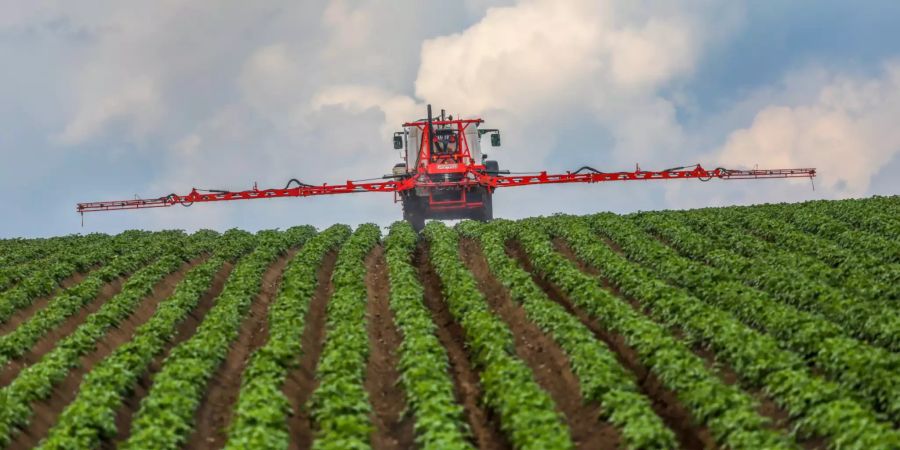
[(482, 179)]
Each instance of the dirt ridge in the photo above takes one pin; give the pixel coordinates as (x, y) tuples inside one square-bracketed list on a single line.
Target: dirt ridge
[(544, 356), (216, 409), (766, 406), (393, 429), (663, 401), (184, 331), (301, 381), (46, 412), (485, 425), (41, 302), (48, 342)]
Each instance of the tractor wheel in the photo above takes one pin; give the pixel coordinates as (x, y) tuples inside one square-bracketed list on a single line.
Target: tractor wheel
[(414, 213), (491, 167), (488, 212)]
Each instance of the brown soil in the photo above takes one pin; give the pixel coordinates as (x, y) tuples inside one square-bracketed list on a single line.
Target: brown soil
[(484, 424), (393, 428), (47, 411), (545, 358), (301, 381), (39, 303), (183, 332), (767, 407), (664, 401), (48, 342), (214, 413)]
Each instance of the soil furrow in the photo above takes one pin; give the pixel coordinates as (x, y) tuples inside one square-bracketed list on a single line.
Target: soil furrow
[(40, 303), (46, 412), (48, 342), (184, 331), (214, 413), (664, 402), (767, 407), (485, 425), (301, 381), (393, 428), (546, 359)]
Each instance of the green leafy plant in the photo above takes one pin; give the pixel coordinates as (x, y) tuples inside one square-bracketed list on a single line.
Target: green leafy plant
[(527, 413), (340, 404), (166, 414), (866, 372), (260, 416), (870, 321), (754, 356), (90, 418), (424, 364), (36, 381), (601, 376), (730, 414)]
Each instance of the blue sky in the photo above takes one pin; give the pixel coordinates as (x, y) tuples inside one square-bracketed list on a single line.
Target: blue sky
[(108, 100)]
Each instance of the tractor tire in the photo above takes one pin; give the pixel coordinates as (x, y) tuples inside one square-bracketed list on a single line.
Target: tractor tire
[(492, 167), (487, 213), (414, 213)]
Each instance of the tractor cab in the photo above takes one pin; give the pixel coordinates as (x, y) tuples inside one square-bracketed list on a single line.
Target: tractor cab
[(444, 144), (444, 153)]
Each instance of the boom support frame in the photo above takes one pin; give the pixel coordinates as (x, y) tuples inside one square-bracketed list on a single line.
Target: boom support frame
[(474, 177)]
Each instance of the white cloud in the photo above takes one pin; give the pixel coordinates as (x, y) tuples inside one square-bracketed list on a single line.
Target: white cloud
[(847, 130), (548, 61)]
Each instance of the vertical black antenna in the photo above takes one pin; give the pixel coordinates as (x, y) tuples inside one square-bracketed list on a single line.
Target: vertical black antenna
[(430, 132)]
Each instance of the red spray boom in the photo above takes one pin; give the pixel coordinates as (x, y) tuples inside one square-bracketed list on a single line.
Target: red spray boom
[(445, 176)]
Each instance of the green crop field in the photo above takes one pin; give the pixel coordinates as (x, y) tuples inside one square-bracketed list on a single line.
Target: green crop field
[(771, 326)]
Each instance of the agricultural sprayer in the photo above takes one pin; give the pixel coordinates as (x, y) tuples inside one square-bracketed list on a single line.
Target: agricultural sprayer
[(445, 175)]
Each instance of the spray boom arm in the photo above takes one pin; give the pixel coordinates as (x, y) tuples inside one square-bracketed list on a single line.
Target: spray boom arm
[(472, 178)]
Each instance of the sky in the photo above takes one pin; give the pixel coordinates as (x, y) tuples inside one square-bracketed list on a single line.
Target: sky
[(103, 100)]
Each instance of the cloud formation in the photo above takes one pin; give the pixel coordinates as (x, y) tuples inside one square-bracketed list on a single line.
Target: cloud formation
[(847, 129), (544, 61)]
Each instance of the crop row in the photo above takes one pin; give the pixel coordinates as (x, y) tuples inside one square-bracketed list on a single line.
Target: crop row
[(36, 381), (720, 231), (599, 373), (729, 413), (424, 365), (34, 259), (815, 221), (867, 320), (822, 408), (17, 251), (90, 418), (870, 371), (170, 253), (857, 274), (527, 413), (876, 214), (340, 404), (44, 281), (166, 414), (719, 227), (260, 414)]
